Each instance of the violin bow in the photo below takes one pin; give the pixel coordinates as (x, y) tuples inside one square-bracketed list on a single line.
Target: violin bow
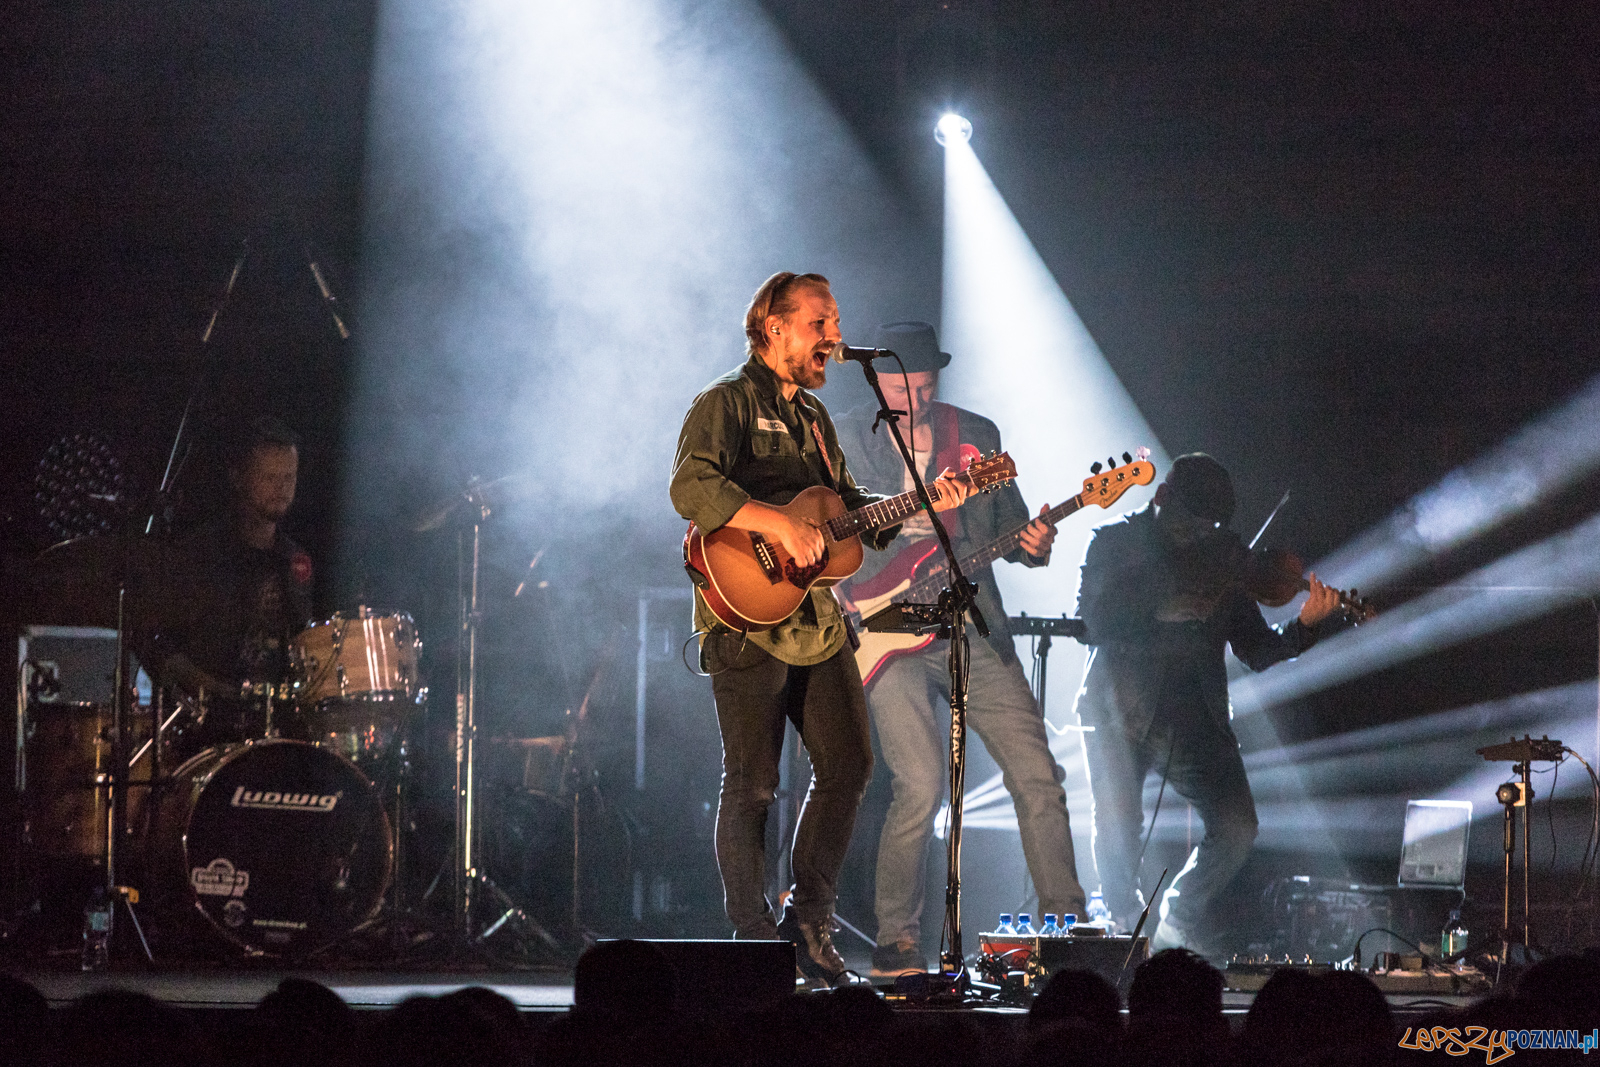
[(1270, 517)]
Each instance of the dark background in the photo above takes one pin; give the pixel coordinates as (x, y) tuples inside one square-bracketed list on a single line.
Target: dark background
[(1344, 247)]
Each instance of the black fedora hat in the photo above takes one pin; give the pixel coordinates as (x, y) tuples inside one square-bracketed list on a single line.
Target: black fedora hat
[(915, 343)]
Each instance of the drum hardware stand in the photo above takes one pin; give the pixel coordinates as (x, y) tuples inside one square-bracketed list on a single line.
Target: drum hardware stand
[(468, 881), (956, 604), (403, 928), (466, 873), (117, 780), (578, 778), (1513, 795)]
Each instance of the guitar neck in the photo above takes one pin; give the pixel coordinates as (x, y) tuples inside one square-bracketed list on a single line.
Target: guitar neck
[(877, 514), (934, 580)]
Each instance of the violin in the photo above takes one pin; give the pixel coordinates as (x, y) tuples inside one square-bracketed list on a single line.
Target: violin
[(1273, 577)]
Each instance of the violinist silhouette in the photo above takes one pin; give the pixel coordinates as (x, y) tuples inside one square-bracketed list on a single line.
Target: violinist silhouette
[(1165, 591)]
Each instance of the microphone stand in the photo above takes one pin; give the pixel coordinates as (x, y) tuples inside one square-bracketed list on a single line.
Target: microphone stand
[(117, 779), (956, 604)]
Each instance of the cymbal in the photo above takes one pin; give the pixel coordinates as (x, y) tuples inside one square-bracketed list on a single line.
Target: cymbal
[(75, 583), (505, 490)]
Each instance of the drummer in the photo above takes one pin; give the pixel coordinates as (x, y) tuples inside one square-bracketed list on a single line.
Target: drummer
[(237, 589)]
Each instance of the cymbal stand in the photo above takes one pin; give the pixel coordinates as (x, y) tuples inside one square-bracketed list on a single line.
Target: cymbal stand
[(466, 872), (956, 604), (470, 883)]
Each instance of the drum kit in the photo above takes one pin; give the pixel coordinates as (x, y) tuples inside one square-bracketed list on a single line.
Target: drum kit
[(272, 814), (280, 836)]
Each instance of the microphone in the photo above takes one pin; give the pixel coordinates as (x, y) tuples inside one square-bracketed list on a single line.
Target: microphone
[(327, 296), (843, 353)]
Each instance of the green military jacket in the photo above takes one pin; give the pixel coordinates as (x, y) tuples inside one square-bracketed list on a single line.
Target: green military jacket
[(742, 441)]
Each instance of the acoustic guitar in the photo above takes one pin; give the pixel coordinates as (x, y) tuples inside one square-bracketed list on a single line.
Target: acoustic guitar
[(918, 573), (753, 584)]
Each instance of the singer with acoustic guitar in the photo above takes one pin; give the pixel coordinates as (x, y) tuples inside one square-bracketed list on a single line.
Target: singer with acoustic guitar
[(752, 442), (909, 693)]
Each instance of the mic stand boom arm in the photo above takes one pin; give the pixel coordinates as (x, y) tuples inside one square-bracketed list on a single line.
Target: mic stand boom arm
[(955, 605)]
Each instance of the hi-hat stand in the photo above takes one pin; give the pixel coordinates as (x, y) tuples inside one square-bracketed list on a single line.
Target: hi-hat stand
[(956, 604)]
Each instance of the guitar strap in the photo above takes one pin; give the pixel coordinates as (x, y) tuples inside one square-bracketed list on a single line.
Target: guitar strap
[(809, 417)]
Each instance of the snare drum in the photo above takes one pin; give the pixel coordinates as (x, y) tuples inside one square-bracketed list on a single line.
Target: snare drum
[(356, 680), (368, 658), (281, 846)]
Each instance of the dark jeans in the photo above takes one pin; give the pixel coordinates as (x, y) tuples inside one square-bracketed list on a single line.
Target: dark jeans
[(755, 693), (1205, 770)]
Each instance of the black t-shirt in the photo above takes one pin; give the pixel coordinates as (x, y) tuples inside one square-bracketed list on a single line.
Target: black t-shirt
[(231, 608)]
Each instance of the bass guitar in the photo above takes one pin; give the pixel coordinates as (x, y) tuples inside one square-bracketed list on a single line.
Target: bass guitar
[(918, 574), (750, 583)]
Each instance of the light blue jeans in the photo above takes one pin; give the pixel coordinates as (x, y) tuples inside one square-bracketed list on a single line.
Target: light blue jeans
[(910, 704), (1204, 767)]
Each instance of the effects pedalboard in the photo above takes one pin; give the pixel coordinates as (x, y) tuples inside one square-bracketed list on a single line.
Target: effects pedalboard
[(1392, 972), (1035, 958), (1011, 968)]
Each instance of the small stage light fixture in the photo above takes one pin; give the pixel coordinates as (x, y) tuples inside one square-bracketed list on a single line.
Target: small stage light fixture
[(952, 127)]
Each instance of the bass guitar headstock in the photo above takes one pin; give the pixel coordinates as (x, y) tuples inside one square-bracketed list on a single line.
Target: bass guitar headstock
[(1105, 487)]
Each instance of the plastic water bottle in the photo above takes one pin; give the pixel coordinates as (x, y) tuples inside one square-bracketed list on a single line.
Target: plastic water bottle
[(1025, 924), (1068, 921), (1049, 929), (97, 916), (1454, 937), (1099, 915), (1005, 926)]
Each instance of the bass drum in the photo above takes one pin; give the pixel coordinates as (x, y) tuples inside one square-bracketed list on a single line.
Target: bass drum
[(281, 846)]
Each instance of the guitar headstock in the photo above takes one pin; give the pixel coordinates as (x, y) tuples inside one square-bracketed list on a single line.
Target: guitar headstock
[(1106, 487), (990, 472)]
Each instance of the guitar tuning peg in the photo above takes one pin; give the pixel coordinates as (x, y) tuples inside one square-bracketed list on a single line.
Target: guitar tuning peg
[(1094, 468), (1126, 458), (1111, 461)]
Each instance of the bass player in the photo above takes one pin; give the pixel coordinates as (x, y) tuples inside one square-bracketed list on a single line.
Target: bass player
[(909, 694), (752, 440)]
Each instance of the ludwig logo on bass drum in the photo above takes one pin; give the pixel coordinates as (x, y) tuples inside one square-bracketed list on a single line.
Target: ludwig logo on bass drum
[(262, 798)]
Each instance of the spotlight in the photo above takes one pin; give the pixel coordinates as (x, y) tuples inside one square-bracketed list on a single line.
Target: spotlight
[(952, 127)]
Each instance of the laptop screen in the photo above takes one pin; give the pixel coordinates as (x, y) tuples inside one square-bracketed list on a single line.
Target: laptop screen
[(1434, 852)]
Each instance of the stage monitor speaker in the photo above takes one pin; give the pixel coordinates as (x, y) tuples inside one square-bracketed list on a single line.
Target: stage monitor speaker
[(722, 977), (1102, 955)]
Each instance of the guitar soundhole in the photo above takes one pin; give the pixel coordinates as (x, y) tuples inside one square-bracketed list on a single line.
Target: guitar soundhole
[(801, 577)]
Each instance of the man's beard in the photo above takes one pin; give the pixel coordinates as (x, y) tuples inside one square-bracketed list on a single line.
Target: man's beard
[(804, 372), (270, 511)]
